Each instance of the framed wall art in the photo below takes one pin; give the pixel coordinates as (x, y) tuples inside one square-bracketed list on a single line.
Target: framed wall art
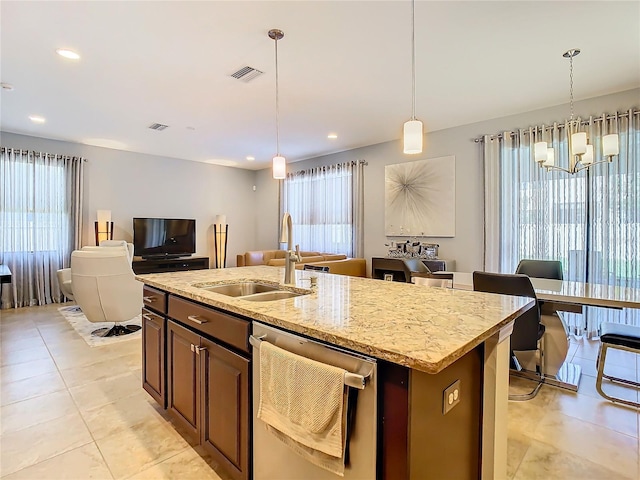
[(420, 198)]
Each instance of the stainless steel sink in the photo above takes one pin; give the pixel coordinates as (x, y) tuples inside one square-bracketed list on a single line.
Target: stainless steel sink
[(242, 288), (253, 291), (269, 296)]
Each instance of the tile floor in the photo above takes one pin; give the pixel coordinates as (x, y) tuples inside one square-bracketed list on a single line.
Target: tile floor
[(71, 411)]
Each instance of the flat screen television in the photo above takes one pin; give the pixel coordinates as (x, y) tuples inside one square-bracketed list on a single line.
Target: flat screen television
[(164, 237)]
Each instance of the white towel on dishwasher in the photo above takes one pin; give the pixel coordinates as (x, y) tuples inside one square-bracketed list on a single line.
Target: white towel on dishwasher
[(303, 399)]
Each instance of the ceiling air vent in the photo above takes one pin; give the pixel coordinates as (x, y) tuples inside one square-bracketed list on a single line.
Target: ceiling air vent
[(158, 126), (246, 74)]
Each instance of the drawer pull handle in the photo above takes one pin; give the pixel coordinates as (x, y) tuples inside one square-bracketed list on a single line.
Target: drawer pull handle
[(149, 299), (193, 347), (194, 318), (200, 349), (146, 317)]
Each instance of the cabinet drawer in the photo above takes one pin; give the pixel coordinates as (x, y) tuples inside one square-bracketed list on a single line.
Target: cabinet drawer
[(226, 328), (154, 299)]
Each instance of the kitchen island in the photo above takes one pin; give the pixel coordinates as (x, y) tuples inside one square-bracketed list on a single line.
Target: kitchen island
[(424, 339)]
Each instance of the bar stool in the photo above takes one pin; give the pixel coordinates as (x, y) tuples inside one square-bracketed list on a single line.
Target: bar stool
[(622, 337)]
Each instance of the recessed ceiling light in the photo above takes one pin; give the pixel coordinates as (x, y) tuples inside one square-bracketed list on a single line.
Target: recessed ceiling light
[(70, 54), (250, 158), (332, 136), (37, 119)]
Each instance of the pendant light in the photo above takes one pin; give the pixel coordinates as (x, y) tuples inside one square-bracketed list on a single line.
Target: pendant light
[(413, 129), (279, 162)]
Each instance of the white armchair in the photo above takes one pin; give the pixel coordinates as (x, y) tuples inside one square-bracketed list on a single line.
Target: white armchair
[(105, 288), (64, 274)]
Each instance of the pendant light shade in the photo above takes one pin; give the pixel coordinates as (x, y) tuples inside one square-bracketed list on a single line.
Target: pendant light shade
[(578, 143), (610, 145), (551, 158), (279, 168), (540, 151), (413, 136), (413, 131)]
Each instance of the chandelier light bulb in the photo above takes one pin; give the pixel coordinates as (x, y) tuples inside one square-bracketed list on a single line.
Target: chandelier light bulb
[(540, 151), (587, 158), (610, 145), (551, 158), (578, 143)]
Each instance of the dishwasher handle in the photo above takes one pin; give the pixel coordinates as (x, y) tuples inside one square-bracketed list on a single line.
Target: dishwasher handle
[(353, 380)]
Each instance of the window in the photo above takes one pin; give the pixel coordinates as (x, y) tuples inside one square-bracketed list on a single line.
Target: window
[(590, 220), (324, 204), (40, 222)]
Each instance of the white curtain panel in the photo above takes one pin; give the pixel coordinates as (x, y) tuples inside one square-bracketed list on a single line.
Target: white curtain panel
[(589, 221), (40, 222), (327, 208)]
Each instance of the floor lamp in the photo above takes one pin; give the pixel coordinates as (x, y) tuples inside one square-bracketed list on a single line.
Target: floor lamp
[(104, 226), (220, 230)]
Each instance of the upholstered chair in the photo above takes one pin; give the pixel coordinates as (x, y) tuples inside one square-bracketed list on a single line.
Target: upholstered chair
[(105, 288)]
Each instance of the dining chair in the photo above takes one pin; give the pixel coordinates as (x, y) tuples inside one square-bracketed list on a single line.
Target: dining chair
[(557, 332), (621, 337), (527, 329), (551, 269)]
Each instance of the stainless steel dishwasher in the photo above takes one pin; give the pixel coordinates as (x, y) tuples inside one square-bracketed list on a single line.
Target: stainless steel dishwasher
[(273, 460)]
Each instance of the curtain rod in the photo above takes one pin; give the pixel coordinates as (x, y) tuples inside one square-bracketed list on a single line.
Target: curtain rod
[(561, 125), (34, 152), (353, 163)]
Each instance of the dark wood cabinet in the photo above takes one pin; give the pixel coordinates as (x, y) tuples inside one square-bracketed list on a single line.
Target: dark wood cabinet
[(159, 265), (183, 377), (208, 381), (153, 358), (225, 408), (154, 326)]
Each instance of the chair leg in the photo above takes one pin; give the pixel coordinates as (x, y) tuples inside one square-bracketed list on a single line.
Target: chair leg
[(539, 377), (116, 330), (602, 355)]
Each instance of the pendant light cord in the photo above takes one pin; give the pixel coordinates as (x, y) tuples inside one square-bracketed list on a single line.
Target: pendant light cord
[(277, 103), (413, 60)]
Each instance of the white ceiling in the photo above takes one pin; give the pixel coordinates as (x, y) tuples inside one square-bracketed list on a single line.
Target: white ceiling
[(344, 67)]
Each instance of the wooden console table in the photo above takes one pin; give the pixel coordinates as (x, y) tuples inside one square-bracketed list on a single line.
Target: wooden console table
[(395, 266), (160, 265)]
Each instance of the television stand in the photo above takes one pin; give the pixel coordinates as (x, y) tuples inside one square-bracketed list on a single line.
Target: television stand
[(167, 264), (164, 257)]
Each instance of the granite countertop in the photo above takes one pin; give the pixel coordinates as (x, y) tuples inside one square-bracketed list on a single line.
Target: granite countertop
[(424, 328)]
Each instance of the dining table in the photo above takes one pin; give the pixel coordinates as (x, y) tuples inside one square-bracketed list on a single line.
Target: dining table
[(563, 296)]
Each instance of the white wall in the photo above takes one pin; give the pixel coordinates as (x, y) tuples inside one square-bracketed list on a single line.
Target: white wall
[(466, 247), (139, 185)]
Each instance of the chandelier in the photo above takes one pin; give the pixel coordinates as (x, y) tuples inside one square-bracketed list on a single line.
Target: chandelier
[(580, 153), (279, 162)]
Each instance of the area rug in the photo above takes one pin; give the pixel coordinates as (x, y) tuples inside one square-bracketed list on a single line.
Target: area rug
[(84, 327)]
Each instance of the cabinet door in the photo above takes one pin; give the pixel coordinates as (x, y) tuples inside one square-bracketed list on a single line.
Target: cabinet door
[(183, 377), (225, 408), (153, 347)]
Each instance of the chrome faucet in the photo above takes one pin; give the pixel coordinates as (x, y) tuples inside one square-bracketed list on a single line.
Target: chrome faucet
[(291, 257)]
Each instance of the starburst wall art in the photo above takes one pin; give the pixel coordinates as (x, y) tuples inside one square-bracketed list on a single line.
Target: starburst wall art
[(420, 198)]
